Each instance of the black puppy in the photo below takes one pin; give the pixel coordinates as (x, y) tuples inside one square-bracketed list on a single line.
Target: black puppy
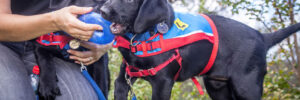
[(48, 88), (237, 73)]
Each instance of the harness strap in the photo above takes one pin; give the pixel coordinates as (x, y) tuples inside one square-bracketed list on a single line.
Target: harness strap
[(149, 45), (145, 46), (179, 60), (153, 71), (60, 40), (198, 85), (163, 44), (121, 42), (214, 52)]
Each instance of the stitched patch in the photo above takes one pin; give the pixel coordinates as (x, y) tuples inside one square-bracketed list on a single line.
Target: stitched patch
[(181, 25)]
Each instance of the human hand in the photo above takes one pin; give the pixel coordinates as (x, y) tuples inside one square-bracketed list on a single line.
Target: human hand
[(95, 52), (66, 20)]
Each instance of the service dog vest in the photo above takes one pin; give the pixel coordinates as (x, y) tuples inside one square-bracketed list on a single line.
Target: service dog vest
[(186, 29)]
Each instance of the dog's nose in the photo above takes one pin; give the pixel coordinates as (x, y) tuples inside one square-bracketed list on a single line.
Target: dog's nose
[(104, 10)]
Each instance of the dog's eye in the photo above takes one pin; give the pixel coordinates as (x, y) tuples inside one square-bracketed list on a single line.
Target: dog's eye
[(130, 1)]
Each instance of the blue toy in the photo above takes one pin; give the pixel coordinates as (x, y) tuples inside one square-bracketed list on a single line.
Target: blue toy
[(99, 37)]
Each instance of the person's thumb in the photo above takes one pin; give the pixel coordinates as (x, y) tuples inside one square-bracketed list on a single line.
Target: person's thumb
[(80, 10)]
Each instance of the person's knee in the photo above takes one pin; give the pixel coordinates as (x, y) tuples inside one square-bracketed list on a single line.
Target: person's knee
[(71, 82), (14, 84)]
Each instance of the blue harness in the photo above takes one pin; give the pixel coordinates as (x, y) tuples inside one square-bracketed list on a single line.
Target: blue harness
[(187, 28)]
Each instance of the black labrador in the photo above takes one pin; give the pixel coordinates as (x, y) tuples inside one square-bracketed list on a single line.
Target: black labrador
[(48, 88), (237, 73)]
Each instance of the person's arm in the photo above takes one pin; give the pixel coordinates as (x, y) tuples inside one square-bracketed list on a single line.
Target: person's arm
[(21, 28)]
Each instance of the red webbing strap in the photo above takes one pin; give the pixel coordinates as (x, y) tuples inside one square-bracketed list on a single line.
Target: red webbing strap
[(198, 85), (169, 44), (148, 47), (152, 71), (213, 55), (62, 39), (121, 42), (179, 60), (163, 44)]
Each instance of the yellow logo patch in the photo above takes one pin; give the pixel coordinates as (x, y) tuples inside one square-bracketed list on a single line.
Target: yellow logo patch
[(181, 25)]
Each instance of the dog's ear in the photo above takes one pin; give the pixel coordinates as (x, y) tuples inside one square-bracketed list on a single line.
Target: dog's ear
[(151, 12)]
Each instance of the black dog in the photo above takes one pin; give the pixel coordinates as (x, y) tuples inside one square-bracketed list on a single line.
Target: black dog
[(48, 88), (237, 73)]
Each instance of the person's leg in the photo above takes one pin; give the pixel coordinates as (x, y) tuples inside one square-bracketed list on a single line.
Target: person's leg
[(72, 83), (14, 79)]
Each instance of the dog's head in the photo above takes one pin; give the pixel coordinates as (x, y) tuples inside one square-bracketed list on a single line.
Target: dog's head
[(136, 16)]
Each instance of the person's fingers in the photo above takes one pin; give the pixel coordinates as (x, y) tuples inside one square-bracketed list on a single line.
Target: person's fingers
[(90, 62), (82, 54), (87, 27), (81, 25), (96, 53), (93, 46), (77, 24), (82, 35), (89, 45), (86, 63), (80, 10), (84, 38), (84, 26), (83, 60), (105, 47)]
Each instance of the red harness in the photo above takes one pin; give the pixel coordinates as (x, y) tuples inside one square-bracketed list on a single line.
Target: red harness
[(153, 71), (52, 40), (122, 42)]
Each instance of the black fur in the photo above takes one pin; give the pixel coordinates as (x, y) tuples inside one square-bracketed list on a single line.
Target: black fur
[(237, 73), (48, 88)]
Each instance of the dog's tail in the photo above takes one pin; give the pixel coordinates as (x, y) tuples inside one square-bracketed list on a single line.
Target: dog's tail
[(273, 38)]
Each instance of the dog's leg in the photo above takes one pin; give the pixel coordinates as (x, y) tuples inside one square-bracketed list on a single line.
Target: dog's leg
[(100, 73), (247, 71), (121, 86), (48, 88), (249, 86), (161, 88), (218, 90)]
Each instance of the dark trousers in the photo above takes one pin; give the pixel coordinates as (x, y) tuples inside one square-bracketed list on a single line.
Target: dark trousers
[(15, 68)]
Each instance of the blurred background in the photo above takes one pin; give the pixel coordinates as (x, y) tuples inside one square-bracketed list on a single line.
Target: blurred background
[(282, 81)]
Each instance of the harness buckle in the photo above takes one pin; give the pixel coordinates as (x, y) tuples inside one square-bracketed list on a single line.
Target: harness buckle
[(152, 71), (82, 68), (151, 45), (141, 71), (131, 48)]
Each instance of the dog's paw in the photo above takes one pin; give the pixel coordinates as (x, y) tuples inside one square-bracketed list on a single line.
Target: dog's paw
[(48, 92)]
